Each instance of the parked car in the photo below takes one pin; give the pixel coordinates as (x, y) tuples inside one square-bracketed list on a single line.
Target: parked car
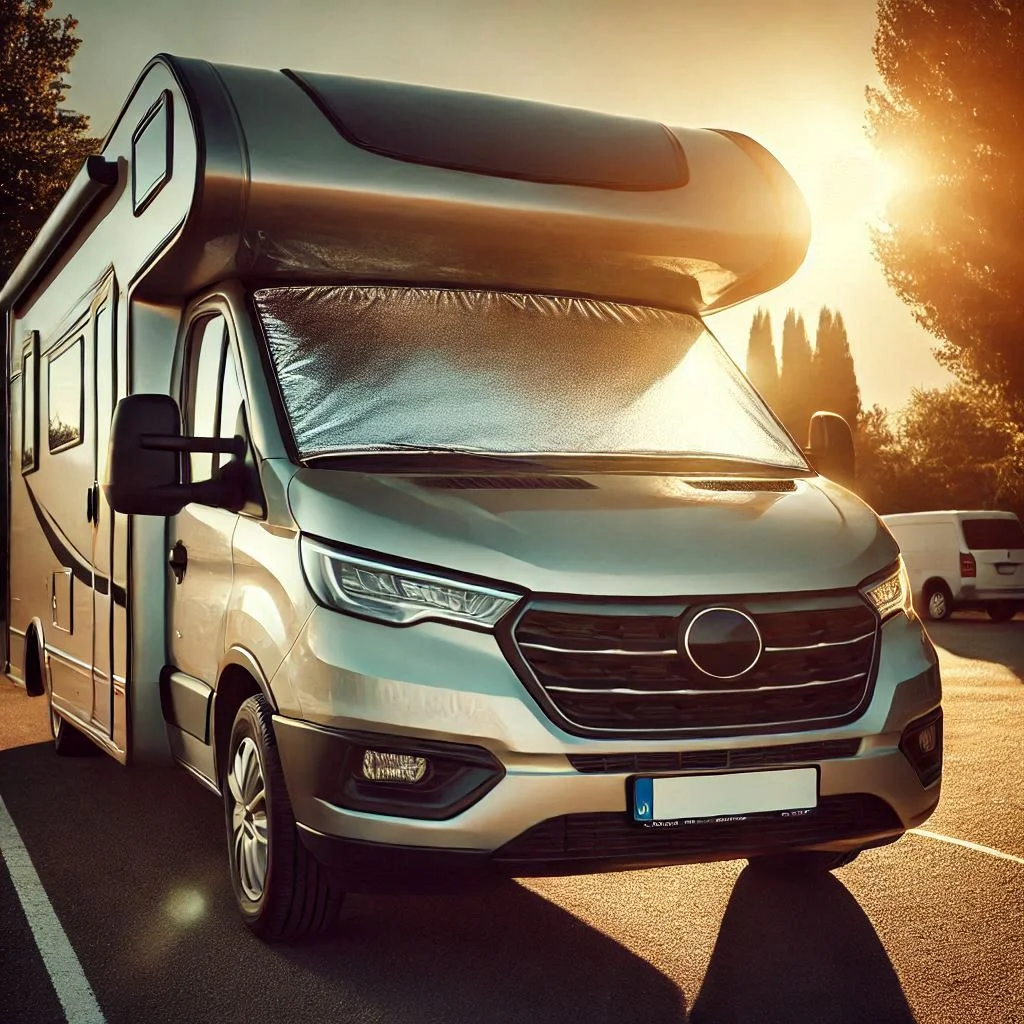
[(963, 560)]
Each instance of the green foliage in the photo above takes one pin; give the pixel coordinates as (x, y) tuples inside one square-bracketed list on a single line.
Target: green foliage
[(762, 365), (957, 447), (949, 118), (41, 145)]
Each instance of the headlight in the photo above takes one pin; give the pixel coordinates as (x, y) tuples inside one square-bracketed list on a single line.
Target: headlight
[(891, 594), (396, 595)]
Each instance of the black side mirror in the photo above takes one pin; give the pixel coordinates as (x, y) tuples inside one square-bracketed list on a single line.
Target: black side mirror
[(830, 448), (144, 461)]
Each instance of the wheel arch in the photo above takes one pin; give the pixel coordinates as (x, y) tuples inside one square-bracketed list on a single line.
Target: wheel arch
[(33, 670), (239, 677)]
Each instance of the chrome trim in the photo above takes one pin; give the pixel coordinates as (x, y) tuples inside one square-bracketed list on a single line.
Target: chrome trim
[(205, 782), (703, 693), (813, 647), (64, 656), (561, 719), (610, 650), (16, 631)]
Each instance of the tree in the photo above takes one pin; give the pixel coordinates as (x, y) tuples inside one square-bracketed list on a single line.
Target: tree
[(949, 117), (41, 145), (954, 447), (796, 380), (762, 365), (835, 379)]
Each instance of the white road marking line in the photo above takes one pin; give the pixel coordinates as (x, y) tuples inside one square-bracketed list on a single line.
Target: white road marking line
[(977, 847), (69, 981)]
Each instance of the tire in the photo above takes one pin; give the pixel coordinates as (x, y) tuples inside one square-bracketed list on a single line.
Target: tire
[(938, 601), (804, 862), (1001, 612), (281, 890)]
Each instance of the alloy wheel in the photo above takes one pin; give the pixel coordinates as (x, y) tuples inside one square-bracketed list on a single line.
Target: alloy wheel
[(937, 605), (249, 841)]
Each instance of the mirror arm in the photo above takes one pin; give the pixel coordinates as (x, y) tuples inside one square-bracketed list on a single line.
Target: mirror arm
[(195, 445)]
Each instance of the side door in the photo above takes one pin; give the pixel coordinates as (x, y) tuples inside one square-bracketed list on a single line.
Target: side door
[(199, 538), (104, 594), (61, 491)]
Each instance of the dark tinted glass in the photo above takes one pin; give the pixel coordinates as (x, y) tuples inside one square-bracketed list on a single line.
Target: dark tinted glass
[(988, 534)]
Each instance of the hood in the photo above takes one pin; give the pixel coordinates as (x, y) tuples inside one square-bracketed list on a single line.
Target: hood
[(607, 534)]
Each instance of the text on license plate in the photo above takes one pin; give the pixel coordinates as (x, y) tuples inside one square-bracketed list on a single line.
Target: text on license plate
[(716, 796)]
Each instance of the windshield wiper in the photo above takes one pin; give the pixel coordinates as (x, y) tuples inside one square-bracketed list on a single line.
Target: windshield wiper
[(451, 456), (454, 457)]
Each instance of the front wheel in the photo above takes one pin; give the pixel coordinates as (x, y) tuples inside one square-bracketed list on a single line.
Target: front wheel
[(803, 862), (1001, 612), (281, 890)]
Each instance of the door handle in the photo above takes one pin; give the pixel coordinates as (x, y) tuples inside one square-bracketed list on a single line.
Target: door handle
[(178, 561), (92, 504)]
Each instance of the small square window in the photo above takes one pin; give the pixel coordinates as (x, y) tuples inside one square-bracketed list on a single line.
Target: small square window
[(64, 398), (151, 154)]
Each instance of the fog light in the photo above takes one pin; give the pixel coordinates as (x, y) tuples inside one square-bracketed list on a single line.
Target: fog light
[(380, 766), (921, 744)]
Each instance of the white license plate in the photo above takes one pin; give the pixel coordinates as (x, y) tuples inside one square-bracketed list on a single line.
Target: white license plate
[(737, 795)]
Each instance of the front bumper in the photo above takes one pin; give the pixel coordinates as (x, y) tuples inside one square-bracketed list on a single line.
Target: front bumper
[(445, 685)]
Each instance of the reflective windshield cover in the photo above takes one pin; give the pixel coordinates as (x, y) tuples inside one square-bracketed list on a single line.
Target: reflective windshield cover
[(365, 366)]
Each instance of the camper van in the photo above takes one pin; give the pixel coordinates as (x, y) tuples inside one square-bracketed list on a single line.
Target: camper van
[(369, 458), (969, 560)]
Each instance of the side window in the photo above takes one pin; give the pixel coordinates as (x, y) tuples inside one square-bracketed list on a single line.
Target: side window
[(206, 356), (64, 397), (105, 387), (230, 399), (29, 405)]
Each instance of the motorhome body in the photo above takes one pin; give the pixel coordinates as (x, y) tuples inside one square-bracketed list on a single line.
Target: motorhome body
[(491, 556)]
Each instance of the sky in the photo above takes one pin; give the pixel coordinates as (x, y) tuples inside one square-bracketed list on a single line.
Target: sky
[(789, 73)]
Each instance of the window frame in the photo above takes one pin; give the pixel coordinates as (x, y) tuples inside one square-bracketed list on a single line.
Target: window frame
[(30, 352), (193, 352), (163, 105), (59, 352)]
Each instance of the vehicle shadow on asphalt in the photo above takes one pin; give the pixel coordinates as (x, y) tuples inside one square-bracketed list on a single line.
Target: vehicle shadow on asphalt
[(798, 951), (134, 863), (975, 637), (500, 955)]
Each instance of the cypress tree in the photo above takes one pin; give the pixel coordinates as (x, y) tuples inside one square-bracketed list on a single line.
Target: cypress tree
[(762, 365), (796, 380)]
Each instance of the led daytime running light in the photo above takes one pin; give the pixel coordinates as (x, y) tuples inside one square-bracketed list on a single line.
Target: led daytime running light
[(398, 595), (891, 594)]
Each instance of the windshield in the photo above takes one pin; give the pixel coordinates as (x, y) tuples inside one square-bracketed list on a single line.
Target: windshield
[(368, 367)]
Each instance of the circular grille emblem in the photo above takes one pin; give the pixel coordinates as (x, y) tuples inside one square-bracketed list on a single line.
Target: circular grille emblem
[(722, 642)]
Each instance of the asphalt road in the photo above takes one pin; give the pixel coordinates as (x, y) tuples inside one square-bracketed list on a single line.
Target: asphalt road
[(134, 866)]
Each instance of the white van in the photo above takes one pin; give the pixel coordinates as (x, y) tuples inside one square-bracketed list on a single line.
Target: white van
[(965, 560), (371, 459)]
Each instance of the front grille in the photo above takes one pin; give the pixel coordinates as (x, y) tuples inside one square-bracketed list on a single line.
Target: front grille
[(713, 760), (614, 836), (615, 669)]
